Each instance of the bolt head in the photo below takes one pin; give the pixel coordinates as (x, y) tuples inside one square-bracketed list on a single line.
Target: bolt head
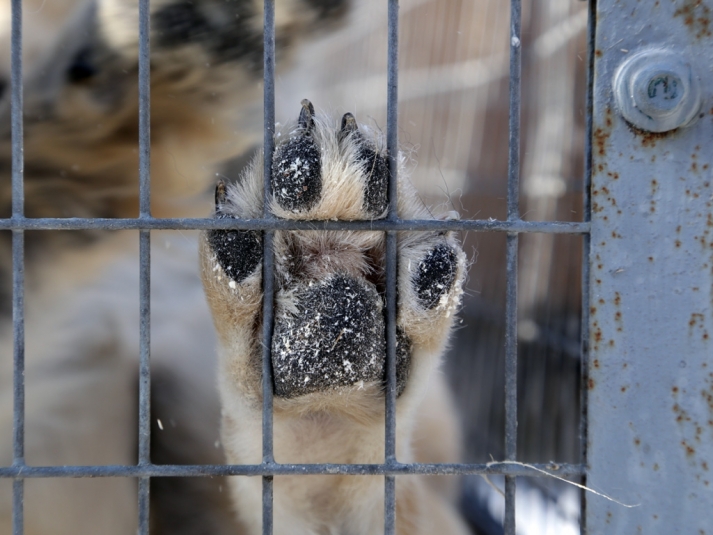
[(656, 90)]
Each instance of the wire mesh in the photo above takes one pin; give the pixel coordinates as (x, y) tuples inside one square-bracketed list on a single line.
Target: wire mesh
[(268, 469)]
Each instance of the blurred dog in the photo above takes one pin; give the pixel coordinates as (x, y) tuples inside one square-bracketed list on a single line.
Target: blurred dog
[(82, 308)]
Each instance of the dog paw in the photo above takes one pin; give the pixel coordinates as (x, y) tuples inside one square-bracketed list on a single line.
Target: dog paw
[(329, 324)]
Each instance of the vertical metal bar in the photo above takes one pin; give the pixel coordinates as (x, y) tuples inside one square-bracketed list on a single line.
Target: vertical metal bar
[(511, 378), (18, 313), (144, 487), (586, 243), (268, 276), (18, 268), (512, 249), (144, 111), (391, 264), (144, 375), (514, 119), (144, 263)]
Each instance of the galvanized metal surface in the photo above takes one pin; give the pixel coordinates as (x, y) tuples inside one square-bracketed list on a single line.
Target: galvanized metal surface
[(650, 407)]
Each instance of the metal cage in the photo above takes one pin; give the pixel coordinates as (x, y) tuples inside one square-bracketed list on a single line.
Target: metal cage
[(513, 226)]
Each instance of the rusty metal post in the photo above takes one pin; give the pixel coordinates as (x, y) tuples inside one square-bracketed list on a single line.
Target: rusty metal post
[(650, 400)]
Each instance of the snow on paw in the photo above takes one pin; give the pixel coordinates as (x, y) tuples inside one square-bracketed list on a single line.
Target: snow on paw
[(329, 323), (435, 275), (296, 166)]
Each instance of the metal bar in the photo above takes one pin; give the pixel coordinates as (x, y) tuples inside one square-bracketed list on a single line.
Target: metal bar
[(144, 489), (18, 499), (256, 470), (144, 347), (410, 225), (513, 203), (268, 274), (144, 111), (18, 271), (392, 148), (144, 263), (586, 266), (18, 320), (511, 379)]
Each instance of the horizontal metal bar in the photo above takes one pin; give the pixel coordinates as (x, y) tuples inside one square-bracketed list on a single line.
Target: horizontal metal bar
[(149, 223), (267, 469)]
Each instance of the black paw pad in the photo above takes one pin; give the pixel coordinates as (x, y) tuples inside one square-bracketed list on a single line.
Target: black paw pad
[(297, 167), (238, 251), (335, 339), (435, 275), (374, 166), (403, 360)]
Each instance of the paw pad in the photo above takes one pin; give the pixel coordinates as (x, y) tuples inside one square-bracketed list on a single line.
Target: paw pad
[(374, 166), (237, 251), (297, 167), (435, 275), (336, 338)]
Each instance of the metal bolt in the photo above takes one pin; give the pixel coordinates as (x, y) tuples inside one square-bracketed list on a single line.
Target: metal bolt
[(657, 91)]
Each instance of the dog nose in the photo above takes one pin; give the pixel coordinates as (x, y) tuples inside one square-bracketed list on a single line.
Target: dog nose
[(332, 336)]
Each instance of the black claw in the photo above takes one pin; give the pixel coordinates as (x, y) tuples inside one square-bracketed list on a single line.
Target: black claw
[(306, 119), (219, 196), (349, 126)]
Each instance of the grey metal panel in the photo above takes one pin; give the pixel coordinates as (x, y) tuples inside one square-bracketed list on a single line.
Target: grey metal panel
[(650, 416)]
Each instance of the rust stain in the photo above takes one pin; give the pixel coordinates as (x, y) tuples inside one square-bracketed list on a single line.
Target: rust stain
[(649, 139), (600, 141), (690, 451), (696, 17)]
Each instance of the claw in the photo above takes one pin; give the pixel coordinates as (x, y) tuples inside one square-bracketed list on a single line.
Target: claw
[(306, 119), (349, 125), (219, 195)]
